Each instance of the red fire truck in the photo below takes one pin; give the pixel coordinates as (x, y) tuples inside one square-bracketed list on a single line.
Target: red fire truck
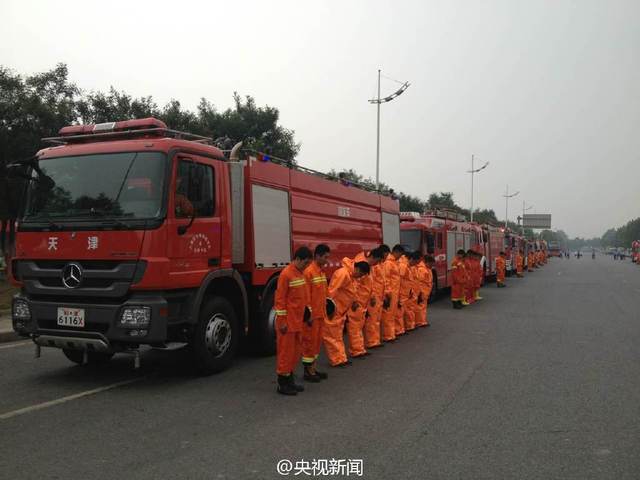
[(134, 234), (512, 244), (494, 242), (440, 233)]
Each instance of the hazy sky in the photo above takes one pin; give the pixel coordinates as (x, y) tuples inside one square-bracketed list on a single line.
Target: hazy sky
[(547, 91)]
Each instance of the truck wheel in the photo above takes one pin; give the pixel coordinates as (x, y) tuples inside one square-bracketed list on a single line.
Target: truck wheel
[(93, 358), (265, 331), (215, 337)]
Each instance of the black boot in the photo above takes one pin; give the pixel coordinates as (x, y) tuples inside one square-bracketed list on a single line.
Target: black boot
[(321, 375), (457, 304), (284, 385), (292, 381), (310, 375)]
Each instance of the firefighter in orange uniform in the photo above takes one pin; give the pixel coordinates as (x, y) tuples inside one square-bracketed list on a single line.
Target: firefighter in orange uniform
[(530, 262), (312, 334), (342, 290), (291, 306), (476, 273), (391, 270), (458, 280), (374, 310), (519, 264), (501, 269), (425, 278), (404, 295), (412, 309), (364, 289), (419, 301), (469, 265)]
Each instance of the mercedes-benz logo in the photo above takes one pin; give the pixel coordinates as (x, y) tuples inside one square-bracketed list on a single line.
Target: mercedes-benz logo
[(72, 275)]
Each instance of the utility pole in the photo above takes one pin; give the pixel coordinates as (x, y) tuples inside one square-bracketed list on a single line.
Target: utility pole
[(473, 171), (379, 101), (506, 210)]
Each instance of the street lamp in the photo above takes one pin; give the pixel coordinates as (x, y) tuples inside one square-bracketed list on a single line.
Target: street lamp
[(524, 210), (379, 101), (506, 210), (473, 172)]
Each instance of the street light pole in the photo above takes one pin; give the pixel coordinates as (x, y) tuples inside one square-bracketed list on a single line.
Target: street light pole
[(506, 210), (473, 171), (378, 137), (524, 210), (379, 101)]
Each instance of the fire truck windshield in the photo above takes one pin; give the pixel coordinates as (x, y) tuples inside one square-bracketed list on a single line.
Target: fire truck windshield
[(411, 240), (114, 185)]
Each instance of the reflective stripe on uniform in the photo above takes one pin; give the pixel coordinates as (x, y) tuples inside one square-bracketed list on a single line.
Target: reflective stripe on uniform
[(281, 312), (297, 283), (319, 279)]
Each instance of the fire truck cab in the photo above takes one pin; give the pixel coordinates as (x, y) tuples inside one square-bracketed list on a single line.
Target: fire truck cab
[(134, 234), (439, 233)]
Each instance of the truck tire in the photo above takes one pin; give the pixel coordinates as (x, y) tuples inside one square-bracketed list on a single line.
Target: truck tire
[(265, 331), (93, 358), (215, 338)]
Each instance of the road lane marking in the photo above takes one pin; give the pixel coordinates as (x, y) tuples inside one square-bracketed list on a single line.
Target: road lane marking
[(68, 398), (16, 344)]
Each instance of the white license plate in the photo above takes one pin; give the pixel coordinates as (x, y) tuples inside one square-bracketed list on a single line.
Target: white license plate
[(71, 317)]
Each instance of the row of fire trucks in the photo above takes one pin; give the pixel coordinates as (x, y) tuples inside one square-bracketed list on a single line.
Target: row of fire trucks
[(441, 233), (134, 234)]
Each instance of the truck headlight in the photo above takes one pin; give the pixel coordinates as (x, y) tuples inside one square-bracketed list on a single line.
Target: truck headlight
[(21, 310), (135, 317)]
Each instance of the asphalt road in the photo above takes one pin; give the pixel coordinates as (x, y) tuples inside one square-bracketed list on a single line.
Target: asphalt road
[(540, 380)]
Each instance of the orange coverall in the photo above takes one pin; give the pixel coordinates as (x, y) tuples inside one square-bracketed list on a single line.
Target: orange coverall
[(343, 292), (471, 279), (422, 276), (312, 335), (501, 268), (458, 279), (391, 271), (519, 264), (530, 262), (355, 325), (372, 322), (412, 309), (292, 296), (404, 294), (476, 273)]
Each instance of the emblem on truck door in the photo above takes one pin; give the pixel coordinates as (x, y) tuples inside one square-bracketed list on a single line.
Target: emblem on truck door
[(72, 275)]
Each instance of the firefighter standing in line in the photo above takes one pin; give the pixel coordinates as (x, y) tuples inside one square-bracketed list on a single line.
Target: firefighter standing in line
[(411, 304), (501, 269), (312, 334), (291, 304), (356, 320), (477, 274), (458, 280), (469, 265), (519, 264), (419, 301), (391, 287), (404, 294), (342, 290), (372, 324), (425, 277), (530, 261)]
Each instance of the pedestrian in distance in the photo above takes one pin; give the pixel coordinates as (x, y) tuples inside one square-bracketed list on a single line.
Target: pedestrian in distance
[(458, 280), (312, 331), (501, 269), (343, 293), (292, 310)]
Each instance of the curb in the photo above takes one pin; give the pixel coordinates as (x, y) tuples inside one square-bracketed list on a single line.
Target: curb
[(9, 336)]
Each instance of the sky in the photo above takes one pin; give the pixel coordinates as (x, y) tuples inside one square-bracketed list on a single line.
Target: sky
[(547, 92)]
